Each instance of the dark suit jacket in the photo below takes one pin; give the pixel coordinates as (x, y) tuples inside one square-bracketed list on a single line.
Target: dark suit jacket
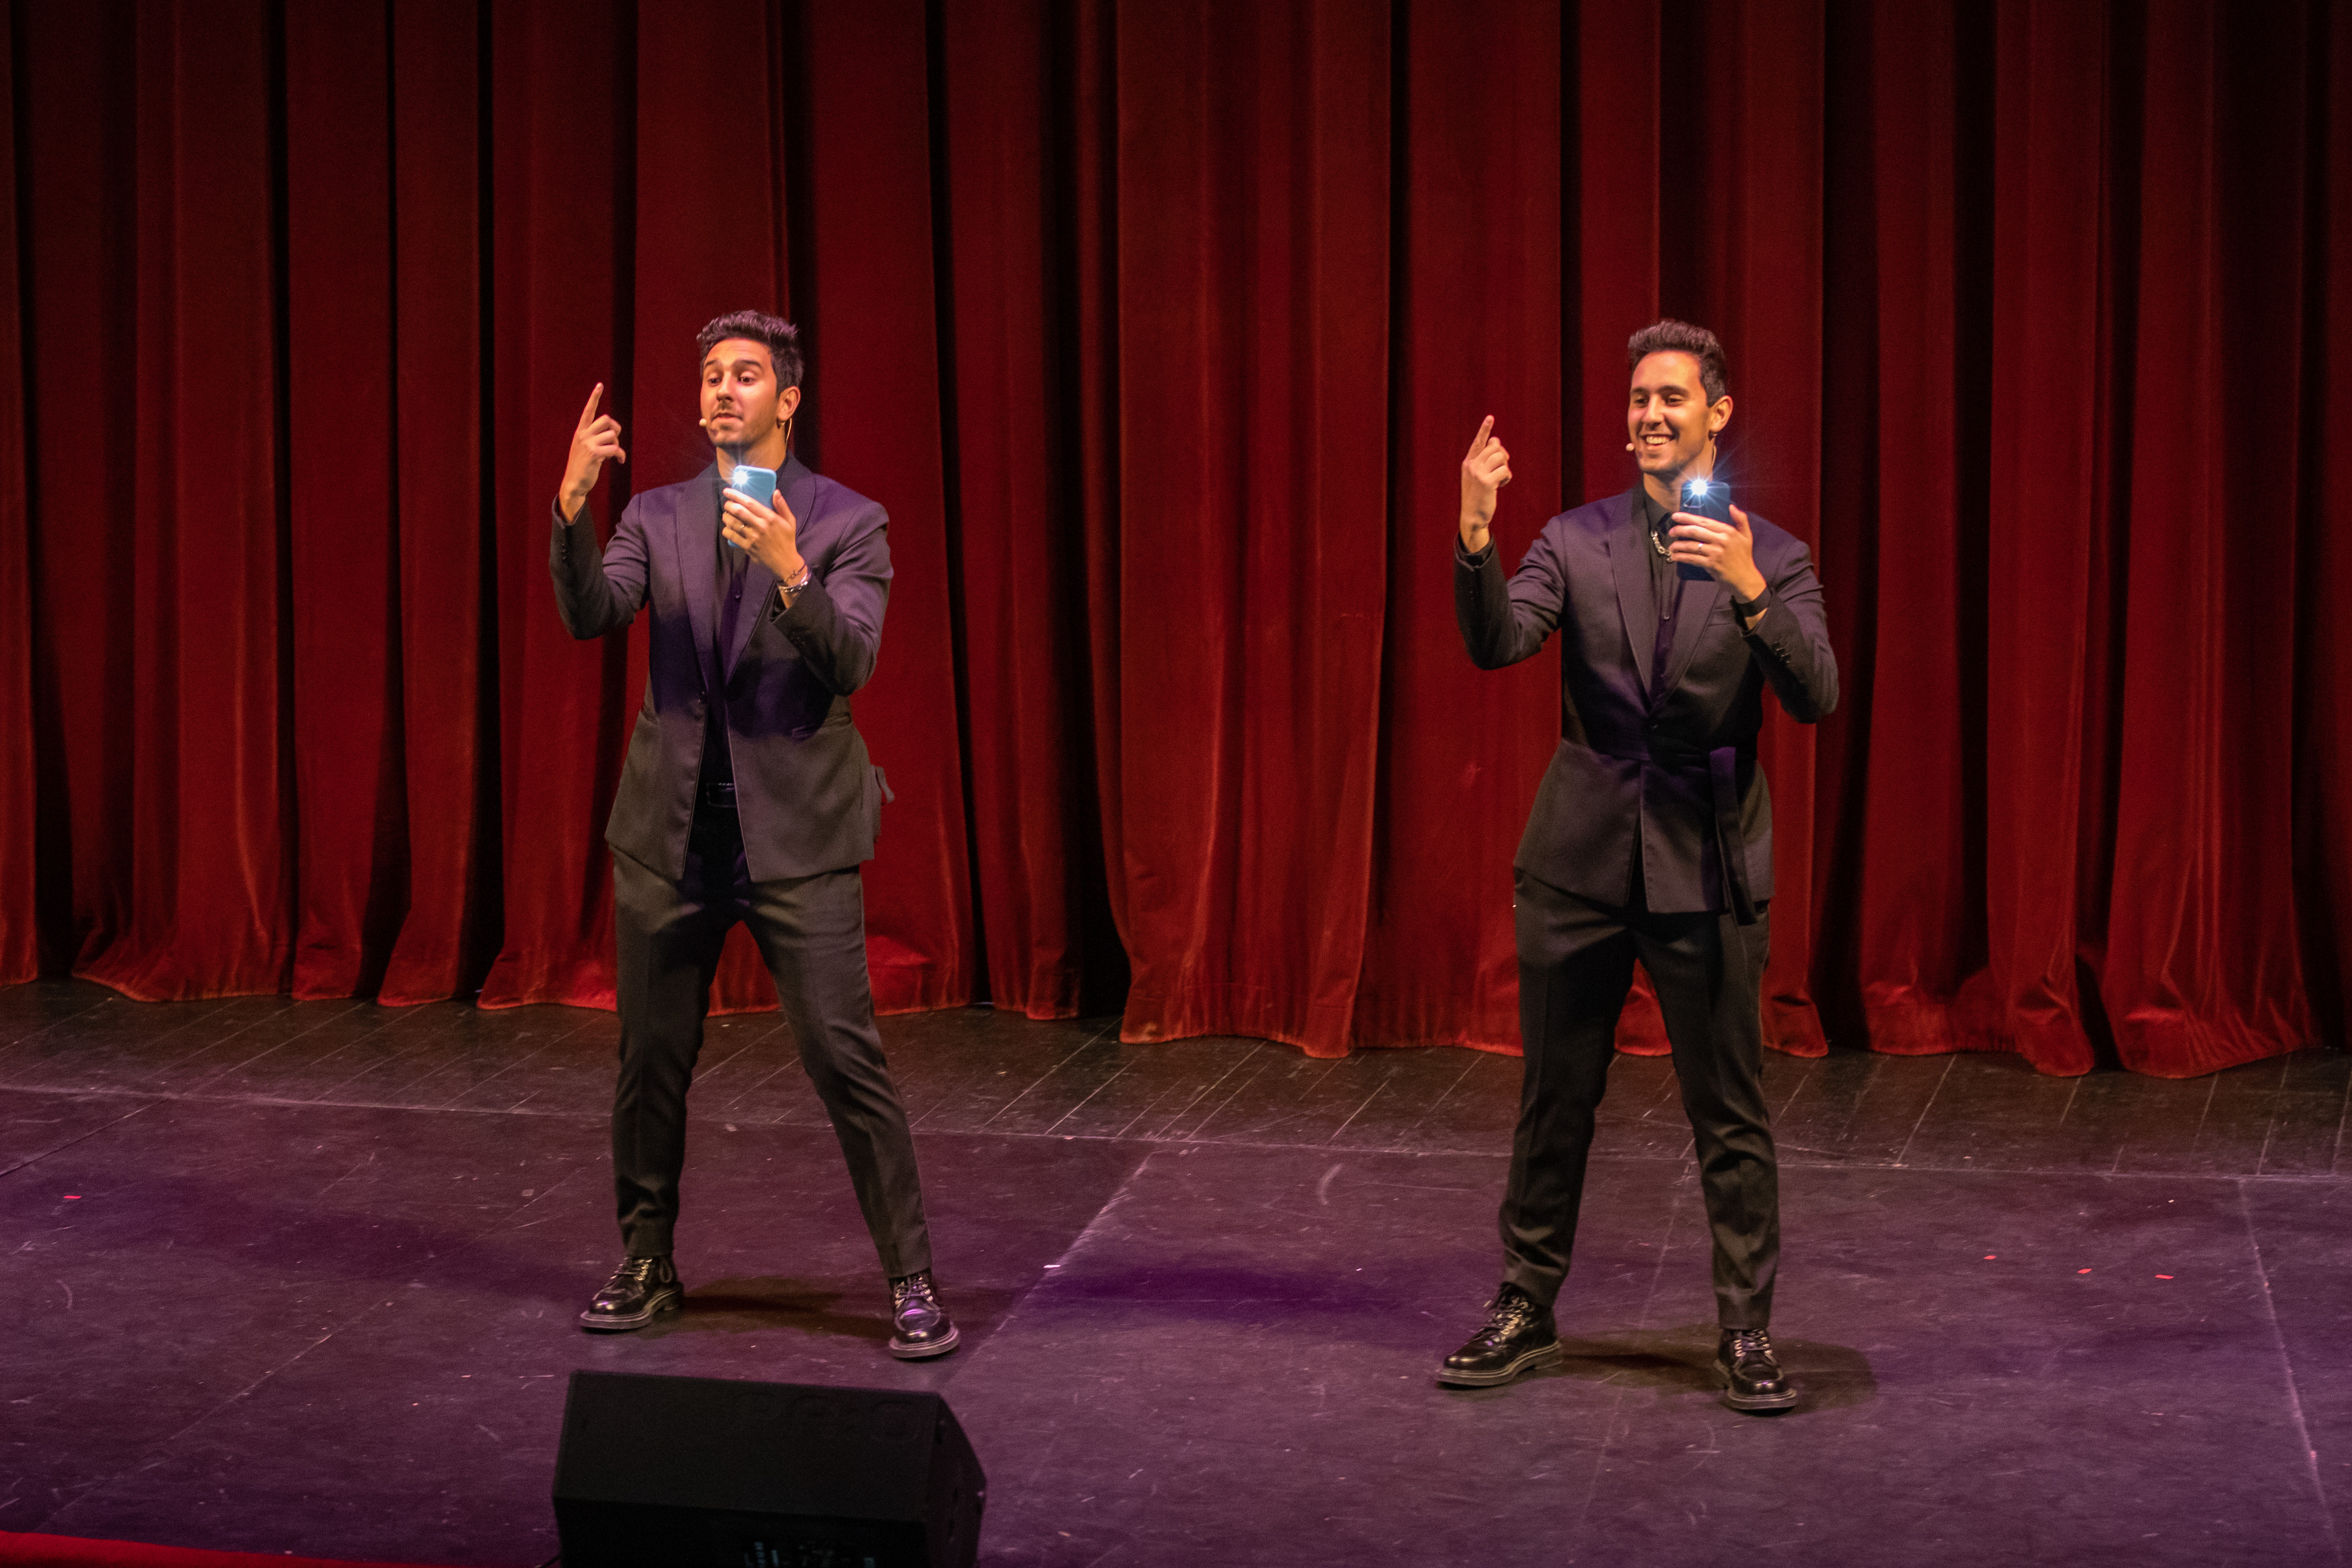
[(1667, 756), (808, 798)]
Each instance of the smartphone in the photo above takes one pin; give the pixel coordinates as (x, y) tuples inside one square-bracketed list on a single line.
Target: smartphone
[(759, 483), (1710, 498)]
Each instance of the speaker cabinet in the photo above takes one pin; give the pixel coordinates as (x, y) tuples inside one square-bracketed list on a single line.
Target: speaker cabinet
[(696, 1471)]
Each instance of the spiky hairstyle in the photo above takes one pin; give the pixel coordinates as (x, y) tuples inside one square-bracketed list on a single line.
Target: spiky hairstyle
[(784, 340), (1667, 335)]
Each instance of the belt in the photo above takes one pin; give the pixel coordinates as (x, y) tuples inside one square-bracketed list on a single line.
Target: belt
[(1722, 765), (717, 795)]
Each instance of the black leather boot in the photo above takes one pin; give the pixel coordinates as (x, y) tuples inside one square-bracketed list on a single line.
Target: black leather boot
[(1752, 1379), (1518, 1335), (920, 1325), (639, 1288)]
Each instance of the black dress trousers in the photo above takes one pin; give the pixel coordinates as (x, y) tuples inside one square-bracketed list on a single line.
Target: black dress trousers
[(811, 933), (1576, 965)]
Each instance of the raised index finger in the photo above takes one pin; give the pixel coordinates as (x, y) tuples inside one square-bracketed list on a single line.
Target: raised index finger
[(589, 414), (1478, 442)]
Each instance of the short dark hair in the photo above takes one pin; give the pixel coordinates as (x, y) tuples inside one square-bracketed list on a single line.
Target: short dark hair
[(1667, 335), (782, 338)]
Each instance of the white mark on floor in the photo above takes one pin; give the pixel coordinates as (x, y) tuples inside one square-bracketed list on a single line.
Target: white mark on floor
[(1323, 1187)]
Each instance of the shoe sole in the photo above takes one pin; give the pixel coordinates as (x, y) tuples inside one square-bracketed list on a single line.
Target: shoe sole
[(600, 1323), (925, 1351), (1753, 1402), (1542, 1355)]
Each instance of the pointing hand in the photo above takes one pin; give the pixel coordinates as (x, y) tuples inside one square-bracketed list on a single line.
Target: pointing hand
[(595, 442)]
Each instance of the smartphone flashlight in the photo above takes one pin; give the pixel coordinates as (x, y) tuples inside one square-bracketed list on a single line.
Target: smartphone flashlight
[(759, 483), (1706, 499)]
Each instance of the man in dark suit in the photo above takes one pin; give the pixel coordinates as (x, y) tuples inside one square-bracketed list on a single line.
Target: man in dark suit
[(1650, 838), (747, 795)]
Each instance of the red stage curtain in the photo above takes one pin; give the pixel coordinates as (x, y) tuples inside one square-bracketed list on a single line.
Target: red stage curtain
[(19, 801), (1160, 330)]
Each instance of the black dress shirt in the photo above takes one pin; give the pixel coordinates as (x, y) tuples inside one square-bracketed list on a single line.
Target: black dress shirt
[(729, 566), (1666, 587)]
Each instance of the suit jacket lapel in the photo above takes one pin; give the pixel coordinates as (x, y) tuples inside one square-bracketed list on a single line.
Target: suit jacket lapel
[(797, 485), (696, 538), (1692, 618), (1637, 606)]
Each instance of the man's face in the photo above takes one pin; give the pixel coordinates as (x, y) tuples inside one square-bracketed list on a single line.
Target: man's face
[(1669, 418), (740, 401)]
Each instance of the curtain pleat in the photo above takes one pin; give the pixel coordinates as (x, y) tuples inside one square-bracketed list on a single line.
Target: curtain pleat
[(20, 797)]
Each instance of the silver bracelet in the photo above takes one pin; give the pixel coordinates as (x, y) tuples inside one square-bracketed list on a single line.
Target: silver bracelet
[(797, 585)]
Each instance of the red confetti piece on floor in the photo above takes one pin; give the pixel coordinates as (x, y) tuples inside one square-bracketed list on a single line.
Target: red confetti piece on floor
[(2082, 1271), (1991, 1256), (73, 1197), (2164, 1276)]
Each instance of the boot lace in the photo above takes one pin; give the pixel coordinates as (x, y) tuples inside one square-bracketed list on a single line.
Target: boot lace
[(1512, 1309)]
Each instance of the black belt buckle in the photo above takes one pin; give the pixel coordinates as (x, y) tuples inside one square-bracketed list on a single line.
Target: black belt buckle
[(721, 796)]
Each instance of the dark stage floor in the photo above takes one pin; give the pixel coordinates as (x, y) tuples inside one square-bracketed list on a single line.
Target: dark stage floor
[(302, 1277)]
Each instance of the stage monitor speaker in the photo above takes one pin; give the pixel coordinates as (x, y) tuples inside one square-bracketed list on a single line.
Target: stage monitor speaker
[(704, 1470)]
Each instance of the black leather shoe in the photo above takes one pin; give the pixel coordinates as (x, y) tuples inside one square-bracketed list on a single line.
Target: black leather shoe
[(1752, 1379), (639, 1288), (919, 1326), (1518, 1335)]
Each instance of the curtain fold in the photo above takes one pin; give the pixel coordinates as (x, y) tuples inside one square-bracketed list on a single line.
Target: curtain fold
[(1252, 262), (154, 446), (1011, 195), (384, 427), (2322, 553), (560, 90), (2202, 968), (20, 798), (1481, 325), (2050, 62), (1160, 330), (1904, 455)]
